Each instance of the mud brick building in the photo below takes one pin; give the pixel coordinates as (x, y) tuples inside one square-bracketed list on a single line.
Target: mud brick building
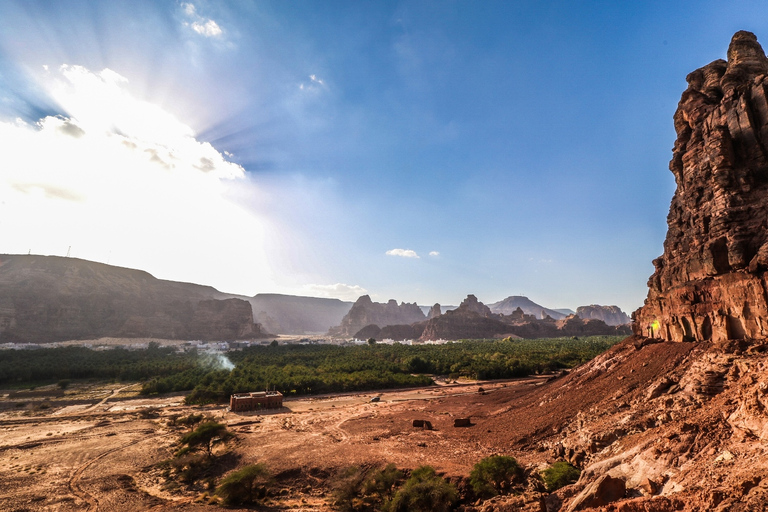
[(256, 400)]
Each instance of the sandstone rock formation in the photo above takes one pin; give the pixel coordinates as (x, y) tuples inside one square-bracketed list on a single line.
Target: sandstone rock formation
[(435, 311), (366, 312), (47, 298), (710, 283), (472, 319), (611, 315)]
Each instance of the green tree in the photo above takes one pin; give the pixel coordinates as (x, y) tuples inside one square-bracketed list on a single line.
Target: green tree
[(245, 486), (493, 475), (204, 435), (424, 491), (559, 475)]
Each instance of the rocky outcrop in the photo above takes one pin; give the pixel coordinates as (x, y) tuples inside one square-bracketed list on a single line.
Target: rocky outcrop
[(366, 312), (710, 283), (434, 312), (611, 315), (47, 298)]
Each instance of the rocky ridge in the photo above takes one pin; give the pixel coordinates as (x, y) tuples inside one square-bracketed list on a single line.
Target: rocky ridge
[(710, 283)]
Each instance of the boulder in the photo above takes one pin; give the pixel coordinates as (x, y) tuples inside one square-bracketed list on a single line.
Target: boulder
[(599, 493)]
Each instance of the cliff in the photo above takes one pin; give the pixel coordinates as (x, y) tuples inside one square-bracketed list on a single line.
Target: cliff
[(48, 298), (366, 312), (710, 283)]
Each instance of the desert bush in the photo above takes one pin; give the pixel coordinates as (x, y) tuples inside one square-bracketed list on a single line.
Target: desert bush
[(493, 475), (245, 486), (347, 489), (189, 467), (189, 420), (381, 485), (559, 475), (358, 490), (424, 491), (204, 435)]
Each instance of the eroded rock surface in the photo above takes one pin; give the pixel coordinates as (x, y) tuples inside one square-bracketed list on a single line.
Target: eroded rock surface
[(710, 283)]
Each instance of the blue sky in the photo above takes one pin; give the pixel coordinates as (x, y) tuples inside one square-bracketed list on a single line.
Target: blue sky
[(411, 150)]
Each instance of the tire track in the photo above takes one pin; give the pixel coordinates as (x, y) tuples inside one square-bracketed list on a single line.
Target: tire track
[(74, 481)]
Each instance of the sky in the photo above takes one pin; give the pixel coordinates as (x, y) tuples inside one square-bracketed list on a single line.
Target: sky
[(420, 151)]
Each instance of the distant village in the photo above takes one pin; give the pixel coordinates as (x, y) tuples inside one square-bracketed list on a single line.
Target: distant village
[(205, 346)]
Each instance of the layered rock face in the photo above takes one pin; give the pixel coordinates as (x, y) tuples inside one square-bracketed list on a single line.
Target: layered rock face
[(46, 298), (365, 312), (710, 283)]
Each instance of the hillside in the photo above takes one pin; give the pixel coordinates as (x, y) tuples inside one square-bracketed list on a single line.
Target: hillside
[(49, 298)]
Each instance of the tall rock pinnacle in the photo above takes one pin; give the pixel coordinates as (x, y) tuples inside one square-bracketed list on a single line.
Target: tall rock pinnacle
[(711, 283)]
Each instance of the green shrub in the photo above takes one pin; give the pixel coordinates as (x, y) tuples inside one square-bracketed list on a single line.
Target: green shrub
[(424, 491), (204, 435), (559, 475), (493, 475), (347, 488), (382, 484), (245, 486), (190, 467), (354, 490)]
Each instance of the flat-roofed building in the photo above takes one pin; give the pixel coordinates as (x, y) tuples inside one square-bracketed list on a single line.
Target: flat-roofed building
[(256, 400)]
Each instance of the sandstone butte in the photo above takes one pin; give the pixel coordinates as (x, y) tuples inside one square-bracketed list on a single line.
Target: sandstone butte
[(711, 283)]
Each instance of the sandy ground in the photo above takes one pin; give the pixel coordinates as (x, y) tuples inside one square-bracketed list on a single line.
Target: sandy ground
[(60, 454)]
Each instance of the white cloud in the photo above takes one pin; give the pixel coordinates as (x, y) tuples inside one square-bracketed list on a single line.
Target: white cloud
[(404, 253), (337, 291), (315, 85), (123, 181), (206, 27), (434, 253)]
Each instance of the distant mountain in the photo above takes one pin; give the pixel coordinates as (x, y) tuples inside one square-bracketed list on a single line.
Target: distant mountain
[(49, 298), (365, 312), (510, 304), (289, 314), (611, 315), (565, 311), (472, 319)]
